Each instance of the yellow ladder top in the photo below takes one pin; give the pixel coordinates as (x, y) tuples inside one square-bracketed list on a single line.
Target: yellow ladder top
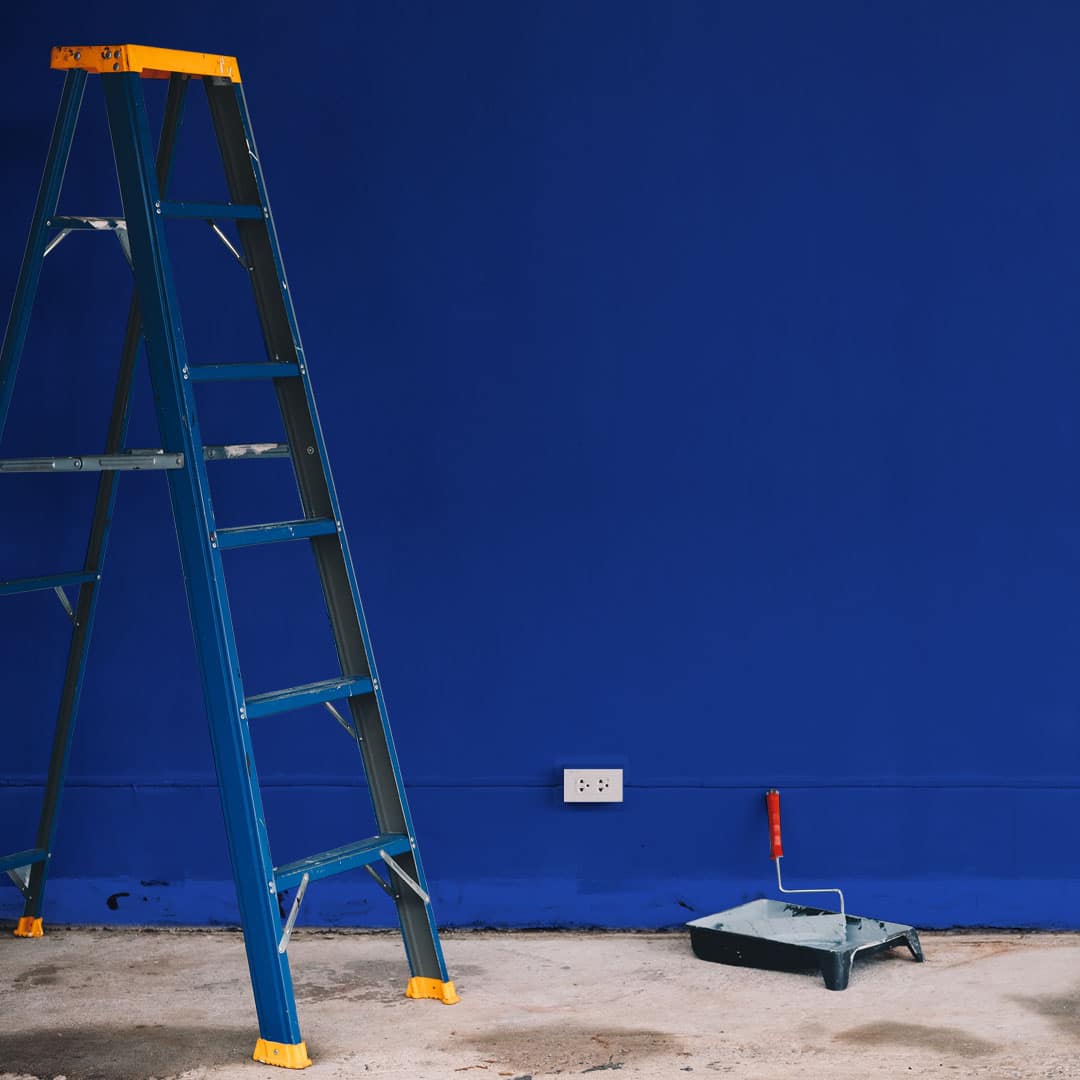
[(149, 62)]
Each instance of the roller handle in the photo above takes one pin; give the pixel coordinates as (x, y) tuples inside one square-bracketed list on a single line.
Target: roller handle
[(772, 804)]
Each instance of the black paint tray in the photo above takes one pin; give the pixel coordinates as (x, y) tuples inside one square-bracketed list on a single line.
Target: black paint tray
[(770, 934)]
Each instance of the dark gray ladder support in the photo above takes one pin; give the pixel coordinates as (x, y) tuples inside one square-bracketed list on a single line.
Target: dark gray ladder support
[(86, 606), (10, 354), (277, 317), (52, 180)]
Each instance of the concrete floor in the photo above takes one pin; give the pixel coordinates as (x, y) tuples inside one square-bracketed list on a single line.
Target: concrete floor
[(123, 1004)]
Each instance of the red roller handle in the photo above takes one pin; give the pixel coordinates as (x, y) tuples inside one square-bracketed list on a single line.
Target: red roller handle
[(772, 804)]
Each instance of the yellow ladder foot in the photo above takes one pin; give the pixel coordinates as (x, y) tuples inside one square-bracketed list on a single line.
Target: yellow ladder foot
[(287, 1055), (29, 927), (432, 988)]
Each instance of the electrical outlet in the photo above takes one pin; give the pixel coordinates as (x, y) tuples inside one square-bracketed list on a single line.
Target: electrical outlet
[(592, 785)]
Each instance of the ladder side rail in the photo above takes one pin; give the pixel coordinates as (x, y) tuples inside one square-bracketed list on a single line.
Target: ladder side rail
[(86, 606), (277, 316), (52, 180), (387, 787), (282, 340), (245, 819)]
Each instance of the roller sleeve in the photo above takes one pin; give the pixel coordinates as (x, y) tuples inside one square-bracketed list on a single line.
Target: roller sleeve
[(772, 804)]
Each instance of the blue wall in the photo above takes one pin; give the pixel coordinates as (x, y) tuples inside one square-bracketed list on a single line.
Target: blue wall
[(701, 381)]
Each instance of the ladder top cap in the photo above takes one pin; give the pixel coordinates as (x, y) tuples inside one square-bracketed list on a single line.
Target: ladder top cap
[(147, 61)]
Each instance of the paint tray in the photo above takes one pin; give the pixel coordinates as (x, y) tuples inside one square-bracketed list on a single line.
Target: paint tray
[(779, 936)]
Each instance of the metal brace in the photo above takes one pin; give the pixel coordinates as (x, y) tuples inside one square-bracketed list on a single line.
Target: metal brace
[(21, 876), (59, 590), (382, 884), (283, 944), (125, 243), (404, 877), (228, 243), (353, 732), (56, 241)]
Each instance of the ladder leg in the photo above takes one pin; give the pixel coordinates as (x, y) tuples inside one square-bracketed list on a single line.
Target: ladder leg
[(86, 606), (245, 821), (30, 272), (243, 171)]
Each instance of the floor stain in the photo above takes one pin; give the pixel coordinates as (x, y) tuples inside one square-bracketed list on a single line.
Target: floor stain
[(39, 975), (942, 1040), (1063, 1010), (120, 1053), (974, 952), (565, 1048)]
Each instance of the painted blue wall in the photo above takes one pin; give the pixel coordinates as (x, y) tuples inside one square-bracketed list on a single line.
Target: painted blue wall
[(701, 382)]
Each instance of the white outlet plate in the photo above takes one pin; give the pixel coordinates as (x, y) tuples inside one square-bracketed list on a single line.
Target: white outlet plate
[(592, 785)]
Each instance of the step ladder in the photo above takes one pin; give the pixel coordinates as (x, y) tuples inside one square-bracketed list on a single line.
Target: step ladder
[(154, 319)]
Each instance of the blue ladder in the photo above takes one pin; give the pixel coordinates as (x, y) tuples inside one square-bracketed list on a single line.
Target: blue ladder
[(153, 320)]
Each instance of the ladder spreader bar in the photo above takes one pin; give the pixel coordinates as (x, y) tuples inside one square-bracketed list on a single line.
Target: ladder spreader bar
[(337, 861), (246, 451), (25, 858), (299, 697), (275, 532), (134, 460), (209, 211), (125, 461), (216, 372), (99, 224), (40, 584)]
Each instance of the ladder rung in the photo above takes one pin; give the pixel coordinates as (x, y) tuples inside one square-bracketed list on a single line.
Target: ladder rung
[(299, 697), (337, 861), (275, 532), (26, 858), (37, 584), (208, 211), (216, 372)]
